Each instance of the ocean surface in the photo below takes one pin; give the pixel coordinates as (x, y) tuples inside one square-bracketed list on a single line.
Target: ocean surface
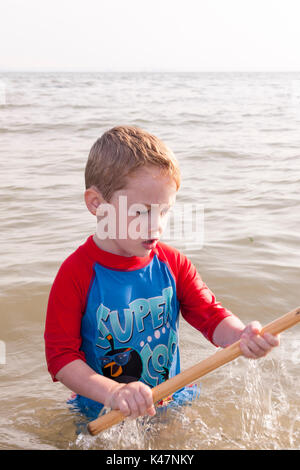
[(237, 139)]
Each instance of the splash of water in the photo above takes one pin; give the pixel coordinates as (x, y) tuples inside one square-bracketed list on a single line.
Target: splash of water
[(264, 404)]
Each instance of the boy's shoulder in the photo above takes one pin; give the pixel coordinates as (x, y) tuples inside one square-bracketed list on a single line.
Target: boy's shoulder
[(77, 262), (175, 258), (168, 250), (171, 251)]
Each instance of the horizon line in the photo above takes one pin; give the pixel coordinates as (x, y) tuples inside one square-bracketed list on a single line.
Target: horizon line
[(147, 71)]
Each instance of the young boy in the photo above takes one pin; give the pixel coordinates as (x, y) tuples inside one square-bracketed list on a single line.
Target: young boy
[(113, 311)]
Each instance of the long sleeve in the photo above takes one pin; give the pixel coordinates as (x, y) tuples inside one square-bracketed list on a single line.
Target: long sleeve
[(198, 304), (63, 320)]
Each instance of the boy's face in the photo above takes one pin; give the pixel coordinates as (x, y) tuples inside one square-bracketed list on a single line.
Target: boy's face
[(137, 214)]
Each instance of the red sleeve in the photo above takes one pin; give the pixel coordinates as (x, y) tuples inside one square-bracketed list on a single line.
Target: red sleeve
[(198, 304), (66, 305)]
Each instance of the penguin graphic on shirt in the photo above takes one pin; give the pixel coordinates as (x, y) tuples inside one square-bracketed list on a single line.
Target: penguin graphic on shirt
[(123, 365)]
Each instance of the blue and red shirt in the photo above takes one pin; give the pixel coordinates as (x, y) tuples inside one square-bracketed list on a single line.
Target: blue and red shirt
[(121, 314)]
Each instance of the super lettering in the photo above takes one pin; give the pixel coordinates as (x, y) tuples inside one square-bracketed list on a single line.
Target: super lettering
[(109, 321)]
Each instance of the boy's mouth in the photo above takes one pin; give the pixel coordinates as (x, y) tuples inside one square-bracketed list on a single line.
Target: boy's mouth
[(150, 243)]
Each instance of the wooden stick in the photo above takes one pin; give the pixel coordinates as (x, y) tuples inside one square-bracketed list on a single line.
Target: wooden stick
[(221, 357)]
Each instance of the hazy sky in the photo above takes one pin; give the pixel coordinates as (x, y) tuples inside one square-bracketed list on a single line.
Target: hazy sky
[(137, 35)]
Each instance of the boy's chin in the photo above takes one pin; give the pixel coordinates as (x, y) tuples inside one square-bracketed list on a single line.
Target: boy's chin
[(142, 251), (139, 248)]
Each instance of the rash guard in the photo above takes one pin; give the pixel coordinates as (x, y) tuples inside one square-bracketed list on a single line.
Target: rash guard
[(121, 314)]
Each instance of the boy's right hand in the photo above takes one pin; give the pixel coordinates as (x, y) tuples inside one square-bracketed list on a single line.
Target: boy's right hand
[(133, 399)]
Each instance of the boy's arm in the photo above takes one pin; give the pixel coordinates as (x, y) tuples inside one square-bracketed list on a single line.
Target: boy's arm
[(252, 344), (219, 325), (134, 399), (63, 320), (198, 304), (82, 379)]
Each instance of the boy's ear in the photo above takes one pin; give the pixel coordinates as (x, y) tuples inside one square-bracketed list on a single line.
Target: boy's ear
[(93, 198)]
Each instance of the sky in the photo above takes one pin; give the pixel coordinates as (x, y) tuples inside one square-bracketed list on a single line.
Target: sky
[(150, 35)]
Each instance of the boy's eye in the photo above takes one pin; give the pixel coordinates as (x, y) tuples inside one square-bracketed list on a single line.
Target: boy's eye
[(142, 212), (146, 212)]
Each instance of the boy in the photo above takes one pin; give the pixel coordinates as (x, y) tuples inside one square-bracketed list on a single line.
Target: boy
[(113, 311)]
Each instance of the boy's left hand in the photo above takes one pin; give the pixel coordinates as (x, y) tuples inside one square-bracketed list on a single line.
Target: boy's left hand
[(253, 345)]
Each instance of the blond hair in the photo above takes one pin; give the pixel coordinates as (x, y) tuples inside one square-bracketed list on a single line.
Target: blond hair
[(121, 151)]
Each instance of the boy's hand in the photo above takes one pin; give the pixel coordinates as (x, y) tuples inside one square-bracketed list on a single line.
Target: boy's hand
[(253, 345), (133, 399)]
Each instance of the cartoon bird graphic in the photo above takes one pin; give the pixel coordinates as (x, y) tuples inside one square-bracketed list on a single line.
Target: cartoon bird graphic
[(122, 365)]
